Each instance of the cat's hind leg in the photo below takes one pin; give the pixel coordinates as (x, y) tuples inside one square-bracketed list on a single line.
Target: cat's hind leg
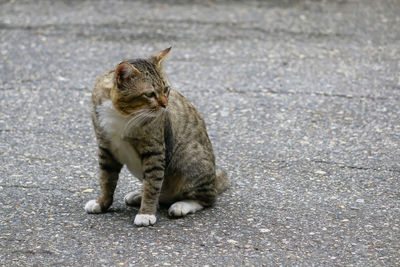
[(109, 172), (202, 193)]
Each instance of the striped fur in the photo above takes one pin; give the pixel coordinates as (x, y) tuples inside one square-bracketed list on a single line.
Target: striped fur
[(141, 123)]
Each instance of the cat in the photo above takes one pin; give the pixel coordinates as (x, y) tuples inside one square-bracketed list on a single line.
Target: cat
[(140, 122)]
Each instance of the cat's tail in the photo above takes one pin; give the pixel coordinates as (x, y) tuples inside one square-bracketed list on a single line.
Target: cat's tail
[(222, 181)]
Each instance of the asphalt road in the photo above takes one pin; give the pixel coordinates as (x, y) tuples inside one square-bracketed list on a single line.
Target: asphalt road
[(301, 100)]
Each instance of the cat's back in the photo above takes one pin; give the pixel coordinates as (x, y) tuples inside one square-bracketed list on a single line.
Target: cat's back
[(187, 124), (101, 90), (182, 112)]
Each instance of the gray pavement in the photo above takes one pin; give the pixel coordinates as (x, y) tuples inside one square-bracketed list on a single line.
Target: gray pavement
[(301, 100)]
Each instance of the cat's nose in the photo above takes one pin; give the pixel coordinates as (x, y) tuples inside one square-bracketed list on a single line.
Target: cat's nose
[(163, 101)]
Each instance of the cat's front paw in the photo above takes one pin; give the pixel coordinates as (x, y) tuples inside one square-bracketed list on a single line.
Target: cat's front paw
[(145, 219), (92, 206)]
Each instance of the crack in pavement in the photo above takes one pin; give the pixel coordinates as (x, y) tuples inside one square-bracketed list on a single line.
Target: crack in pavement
[(286, 164), (282, 92), (37, 187), (345, 166)]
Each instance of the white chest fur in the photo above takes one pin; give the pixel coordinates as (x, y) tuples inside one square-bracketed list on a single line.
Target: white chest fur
[(114, 124)]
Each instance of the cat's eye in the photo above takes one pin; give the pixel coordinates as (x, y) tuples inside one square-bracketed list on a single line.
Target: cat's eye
[(150, 94), (166, 90)]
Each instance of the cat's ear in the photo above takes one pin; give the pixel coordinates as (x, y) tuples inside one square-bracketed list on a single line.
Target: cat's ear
[(125, 70), (159, 58)]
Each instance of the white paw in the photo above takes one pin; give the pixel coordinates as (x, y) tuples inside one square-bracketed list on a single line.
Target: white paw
[(145, 219), (92, 206), (181, 208), (133, 198)]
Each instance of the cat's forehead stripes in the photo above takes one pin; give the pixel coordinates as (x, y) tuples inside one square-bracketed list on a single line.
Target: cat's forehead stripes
[(149, 70), (146, 67)]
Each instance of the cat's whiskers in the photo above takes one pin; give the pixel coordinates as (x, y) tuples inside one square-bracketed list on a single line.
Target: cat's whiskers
[(158, 114), (136, 118), (139, 118)]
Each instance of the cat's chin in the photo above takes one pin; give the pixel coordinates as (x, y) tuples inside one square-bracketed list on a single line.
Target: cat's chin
[(145, 219)]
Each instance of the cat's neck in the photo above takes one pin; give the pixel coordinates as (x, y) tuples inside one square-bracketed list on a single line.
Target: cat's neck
[(115, 123), (110, 119)]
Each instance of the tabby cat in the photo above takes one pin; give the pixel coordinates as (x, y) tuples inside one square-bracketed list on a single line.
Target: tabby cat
[(157, 133)]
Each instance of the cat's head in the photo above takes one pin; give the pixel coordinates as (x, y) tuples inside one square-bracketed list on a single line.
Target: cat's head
[(141, 86)]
